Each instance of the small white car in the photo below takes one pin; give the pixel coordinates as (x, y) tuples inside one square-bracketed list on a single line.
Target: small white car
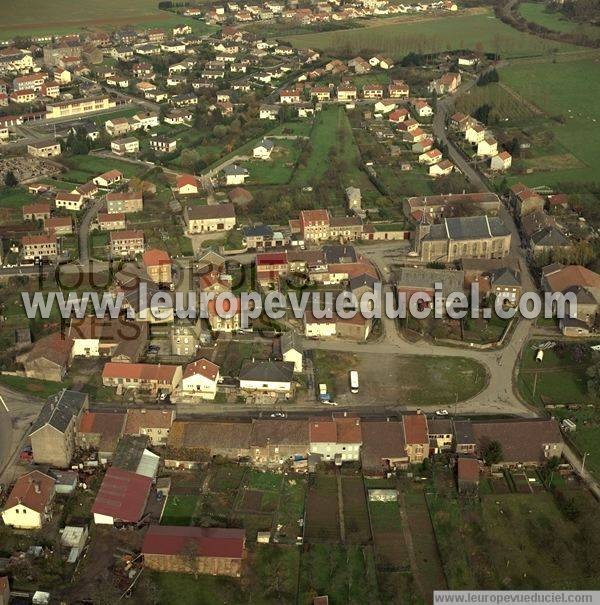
[(441, 412)]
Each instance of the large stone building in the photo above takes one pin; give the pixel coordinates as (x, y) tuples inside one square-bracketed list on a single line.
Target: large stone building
[(53, 433), (463, 237)]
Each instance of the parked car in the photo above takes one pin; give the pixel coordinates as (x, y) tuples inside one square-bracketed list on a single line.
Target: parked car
[(441, 412)]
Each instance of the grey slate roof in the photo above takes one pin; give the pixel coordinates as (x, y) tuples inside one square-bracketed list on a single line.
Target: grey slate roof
[(290, 341), (234, 169), (257, 231), (59, 410), (267, 371), (505, 277), (550, 236), (463, 432), (422, 277), (339, 254), (468, 227)]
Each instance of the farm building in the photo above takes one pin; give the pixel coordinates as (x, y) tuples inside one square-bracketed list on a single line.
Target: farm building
[(207, 550)]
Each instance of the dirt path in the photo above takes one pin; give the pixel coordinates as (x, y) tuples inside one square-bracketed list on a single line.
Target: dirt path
[(409, 543), (340, 496)]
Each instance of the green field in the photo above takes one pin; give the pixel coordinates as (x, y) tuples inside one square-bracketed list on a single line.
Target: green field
[(564, 93), (427, 36), (537, 12), (37, 17), (82, 168)]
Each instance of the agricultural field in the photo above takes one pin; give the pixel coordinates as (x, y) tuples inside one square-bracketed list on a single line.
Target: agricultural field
[(356, 515), (425, 380), (322, 524), (505, 103), (482, 31), (538, 12), (345, 573), (38, 18), (562, 92)]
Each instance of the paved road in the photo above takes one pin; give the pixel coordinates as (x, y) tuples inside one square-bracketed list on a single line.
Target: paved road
[(443, 108), (84, 229), (17, 411)]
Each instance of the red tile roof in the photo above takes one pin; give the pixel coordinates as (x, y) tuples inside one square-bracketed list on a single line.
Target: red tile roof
[(204, 367), (207, 541), (335, 430), (33, 490), (415, 428), (139, 371), (155, 257), (138, 419), (122, 495), (187, 179)]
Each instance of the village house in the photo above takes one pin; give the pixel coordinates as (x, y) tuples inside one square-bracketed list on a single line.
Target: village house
[(100, 432), (235, 175), (229, 320), (112, 222), (446, 84), (163, 144), (48, 359), (274, 441), (69, 201), (151, 423), (158, 265), (398, 89), (204, 219), (291, 350), (500, 162), (44, 149), (263, 150), (373, 91), (337, 439), (52, 435), (29, 503), (525, 200), (383, 448), (125, 146), (443, 168), (416, 437), (145, 377), (59, 225), (272, 377), (126, 243), (38, 211), (201, 378), (526, 442), (187, 184), (39, 247), (124, 202), (487, 148), (117, 127), (108, 179)]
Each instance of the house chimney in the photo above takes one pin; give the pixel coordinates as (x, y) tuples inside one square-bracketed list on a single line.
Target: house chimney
[(36, 487), (419, 411)]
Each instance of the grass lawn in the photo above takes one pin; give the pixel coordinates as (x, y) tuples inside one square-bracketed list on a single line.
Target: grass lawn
[(561, 376), (538, 12), (36, 18), (177, 588), (81, 168), (279, 168), (14, 197), (562, 91), (429, 36), (32, 386), (179, 510)]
